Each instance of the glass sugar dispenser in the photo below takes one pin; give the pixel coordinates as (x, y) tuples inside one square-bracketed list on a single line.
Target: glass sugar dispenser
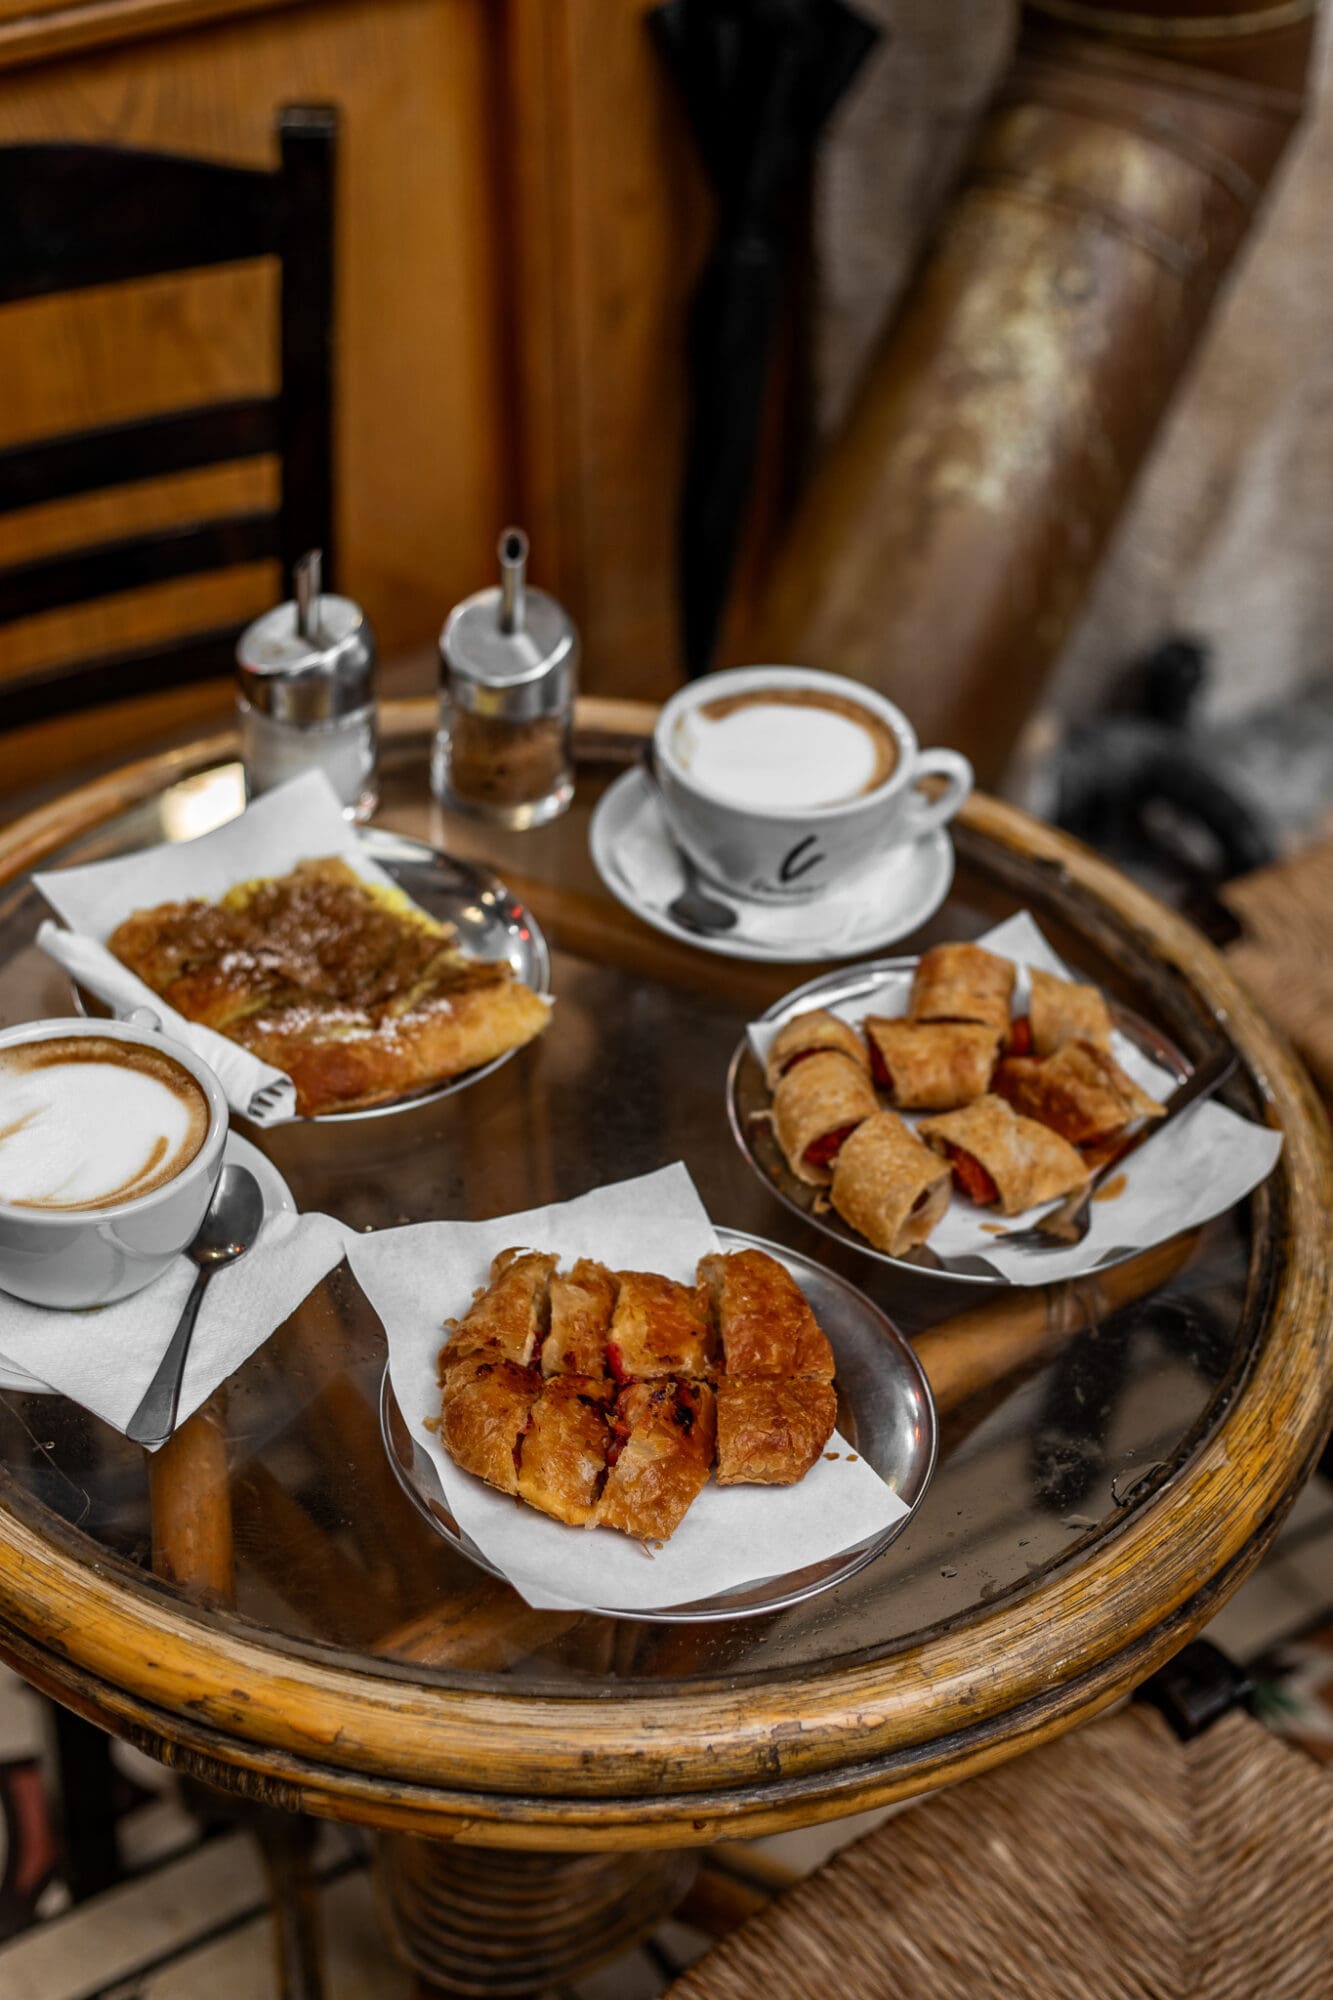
[(509, 661), (305, 699)]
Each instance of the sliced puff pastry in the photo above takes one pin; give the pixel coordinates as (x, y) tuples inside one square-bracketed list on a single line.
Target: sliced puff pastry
[(562, 1452), (665, 1436), (764, 1322), (769, 1433), (510, 1312)]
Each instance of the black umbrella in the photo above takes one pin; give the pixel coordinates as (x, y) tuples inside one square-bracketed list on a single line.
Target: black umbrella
[(759, 79)]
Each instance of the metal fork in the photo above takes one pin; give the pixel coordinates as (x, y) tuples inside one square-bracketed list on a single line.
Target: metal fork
[(1069, 1223)]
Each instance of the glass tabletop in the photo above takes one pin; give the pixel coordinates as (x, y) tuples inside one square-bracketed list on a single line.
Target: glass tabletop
[(1090, 1406)]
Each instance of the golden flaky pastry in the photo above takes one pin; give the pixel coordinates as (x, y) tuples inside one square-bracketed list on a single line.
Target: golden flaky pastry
[(594, 1395), (345, 985)]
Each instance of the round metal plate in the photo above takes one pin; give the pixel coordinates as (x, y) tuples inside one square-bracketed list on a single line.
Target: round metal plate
[(885, 1412), (748, 1099), (491, 924)]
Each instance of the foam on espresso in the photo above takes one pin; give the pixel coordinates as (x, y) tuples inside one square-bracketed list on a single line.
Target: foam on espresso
[(785, 747), (87, 1121)]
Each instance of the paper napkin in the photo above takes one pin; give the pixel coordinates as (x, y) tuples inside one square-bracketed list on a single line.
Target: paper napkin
[(427, 1272), (106, 1357), (1197, 1167)]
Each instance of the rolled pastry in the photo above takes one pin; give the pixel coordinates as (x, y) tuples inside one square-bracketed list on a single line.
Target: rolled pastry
[(763, 1317), (931, 1065), (815, 1106), (770, 1433), (1060, 1011), (888, 1185), (1081, 1092), (807, 1034), (963, 982), (997, 1156)]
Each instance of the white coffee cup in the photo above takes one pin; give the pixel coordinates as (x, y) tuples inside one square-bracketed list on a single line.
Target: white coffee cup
[(87, 1257), (787, 853)]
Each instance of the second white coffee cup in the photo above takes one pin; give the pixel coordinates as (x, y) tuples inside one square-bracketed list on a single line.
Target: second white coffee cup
[(779, 852), (73, 1257)]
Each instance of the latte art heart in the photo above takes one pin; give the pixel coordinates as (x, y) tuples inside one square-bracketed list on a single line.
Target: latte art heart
[(87, 1121)]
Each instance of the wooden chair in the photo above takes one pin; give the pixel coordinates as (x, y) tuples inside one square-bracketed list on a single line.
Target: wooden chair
[(73, 216), (1181, 1855)]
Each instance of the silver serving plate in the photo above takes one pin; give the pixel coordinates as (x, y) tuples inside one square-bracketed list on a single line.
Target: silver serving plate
[(491, 925), (748, 1099), (885, 1412)]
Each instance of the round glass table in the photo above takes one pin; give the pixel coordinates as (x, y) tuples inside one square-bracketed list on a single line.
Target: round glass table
[(260, 1605)]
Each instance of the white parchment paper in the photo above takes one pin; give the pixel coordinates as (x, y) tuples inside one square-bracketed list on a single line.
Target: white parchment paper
[(1196, 1168), (299, 821), (420, 1275)]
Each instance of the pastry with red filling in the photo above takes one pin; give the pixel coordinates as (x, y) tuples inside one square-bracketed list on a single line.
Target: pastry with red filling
[(664, 1437), (485, 1403), (562, 1451), (931, 1065), (1000, 1158), (1081, 1092), (582, 1302), (815, 1106), (1061, 1010), (889, 1186), (963, 982), (658, 1328), (510, 1313), (807, 1035)]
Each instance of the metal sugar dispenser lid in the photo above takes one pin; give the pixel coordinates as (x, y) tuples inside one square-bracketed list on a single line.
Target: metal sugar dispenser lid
[(510, 651), (310, 660)]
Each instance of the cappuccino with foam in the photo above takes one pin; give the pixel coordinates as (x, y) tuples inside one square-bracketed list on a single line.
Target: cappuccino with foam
[(89, 1121), (785, 748)]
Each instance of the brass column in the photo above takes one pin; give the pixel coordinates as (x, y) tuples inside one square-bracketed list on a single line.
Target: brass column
[(945, 543)]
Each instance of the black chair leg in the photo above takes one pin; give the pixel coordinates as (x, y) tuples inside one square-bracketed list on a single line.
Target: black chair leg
[(85, 1803)]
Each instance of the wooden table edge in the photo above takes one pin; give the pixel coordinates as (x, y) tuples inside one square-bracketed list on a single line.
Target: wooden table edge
[(655, 1755)]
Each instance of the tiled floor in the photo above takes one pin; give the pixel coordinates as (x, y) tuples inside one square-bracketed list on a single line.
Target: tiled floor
[(192, 1921)]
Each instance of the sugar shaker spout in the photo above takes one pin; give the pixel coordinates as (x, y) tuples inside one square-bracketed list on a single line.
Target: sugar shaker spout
[(513, 579)]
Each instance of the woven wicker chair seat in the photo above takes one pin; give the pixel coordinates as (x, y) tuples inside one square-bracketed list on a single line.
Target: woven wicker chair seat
[(1113, 1864)]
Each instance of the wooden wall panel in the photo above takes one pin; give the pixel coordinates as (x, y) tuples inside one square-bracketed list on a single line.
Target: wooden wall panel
[(611, 221), (419, 475)]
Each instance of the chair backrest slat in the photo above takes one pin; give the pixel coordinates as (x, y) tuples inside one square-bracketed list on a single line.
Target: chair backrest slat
[(78, 215), (149, 448), (78, 576), (75, 215), (118, 676)]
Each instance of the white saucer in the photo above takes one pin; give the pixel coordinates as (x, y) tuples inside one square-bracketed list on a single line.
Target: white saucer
[(634, 856), (278, 1199)]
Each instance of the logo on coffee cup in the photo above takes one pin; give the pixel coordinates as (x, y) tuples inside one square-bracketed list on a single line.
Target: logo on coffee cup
[(800, 860)]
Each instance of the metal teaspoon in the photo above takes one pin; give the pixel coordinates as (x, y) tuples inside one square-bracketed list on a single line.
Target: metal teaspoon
[(233, 1221)]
